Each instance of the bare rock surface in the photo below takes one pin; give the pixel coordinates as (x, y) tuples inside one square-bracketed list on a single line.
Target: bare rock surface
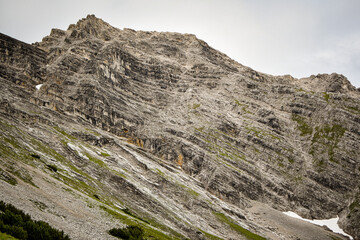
[(102, 127)]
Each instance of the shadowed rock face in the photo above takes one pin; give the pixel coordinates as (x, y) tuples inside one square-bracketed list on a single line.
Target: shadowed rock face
[(164, 125)]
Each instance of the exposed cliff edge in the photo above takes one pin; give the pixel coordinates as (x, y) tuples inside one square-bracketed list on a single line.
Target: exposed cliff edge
[(161, 130)]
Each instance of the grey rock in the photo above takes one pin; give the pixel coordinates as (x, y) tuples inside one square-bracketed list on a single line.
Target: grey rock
[(183, 136)]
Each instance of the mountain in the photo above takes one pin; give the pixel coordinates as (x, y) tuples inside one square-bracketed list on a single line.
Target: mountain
[(103, 128)]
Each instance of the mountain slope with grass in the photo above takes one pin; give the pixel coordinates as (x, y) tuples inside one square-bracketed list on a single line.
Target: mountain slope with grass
[(104, 128)]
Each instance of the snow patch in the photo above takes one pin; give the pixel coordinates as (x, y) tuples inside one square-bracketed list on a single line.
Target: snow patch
[(330, 223), (38, 86)]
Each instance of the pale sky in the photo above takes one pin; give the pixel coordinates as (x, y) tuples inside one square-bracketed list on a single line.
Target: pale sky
[(296, 37)]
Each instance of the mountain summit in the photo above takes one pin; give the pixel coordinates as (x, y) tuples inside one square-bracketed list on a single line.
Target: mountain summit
[(103, 128)]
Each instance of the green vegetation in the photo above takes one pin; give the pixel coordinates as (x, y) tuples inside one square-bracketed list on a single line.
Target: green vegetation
[(149, 231), (326, 96), (119, 174), (222, 148), (77, 184), (130, 213), (7, 177), (64, 133), (11, 149), (93, 132), (158, 171), (291, 160), (353, 110), (335, 237), (21, 173), (254, 131), (329, 138), (104, 154), (15, 152), (4, 236), (274, 137), (210, 236), (331, 133), (12, 141), (195, 105), (280, 163), (238, 103), (249, 235), (243, 107), (130, 232), (16, 223), (117, 215), (354, 206), (302, 126), (95, 160), (200, 129), (356, 203), (41, 147), (259, 133), (189, 190)]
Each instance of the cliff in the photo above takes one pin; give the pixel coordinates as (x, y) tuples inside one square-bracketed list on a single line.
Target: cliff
[(163, 131)]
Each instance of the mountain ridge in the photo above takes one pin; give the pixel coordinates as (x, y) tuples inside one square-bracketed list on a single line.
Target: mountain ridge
[(240, 135)]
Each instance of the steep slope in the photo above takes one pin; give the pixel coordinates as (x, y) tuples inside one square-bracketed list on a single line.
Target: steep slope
[(161, 130)]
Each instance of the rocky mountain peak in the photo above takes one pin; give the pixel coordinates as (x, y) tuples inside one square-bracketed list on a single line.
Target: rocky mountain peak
[(160, 130), (327, 83), (91, 25)]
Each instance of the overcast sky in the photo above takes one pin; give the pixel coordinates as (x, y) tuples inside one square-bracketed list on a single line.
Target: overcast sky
[(296, 37)]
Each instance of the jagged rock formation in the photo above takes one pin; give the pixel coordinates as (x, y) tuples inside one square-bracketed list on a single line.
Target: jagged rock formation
[(175, 133)]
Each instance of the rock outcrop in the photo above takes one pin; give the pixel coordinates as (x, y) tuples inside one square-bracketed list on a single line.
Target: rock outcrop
[(161, 130)]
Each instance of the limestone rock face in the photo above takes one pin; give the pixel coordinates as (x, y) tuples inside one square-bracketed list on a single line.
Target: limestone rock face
[(159, 129)]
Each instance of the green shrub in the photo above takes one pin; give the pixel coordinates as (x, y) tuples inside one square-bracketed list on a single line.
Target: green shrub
[(130, 232), (15, 231), (4, 236), (16, 223)]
